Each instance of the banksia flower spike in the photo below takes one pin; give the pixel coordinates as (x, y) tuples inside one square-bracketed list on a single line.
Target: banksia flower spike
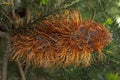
[(60, 43)]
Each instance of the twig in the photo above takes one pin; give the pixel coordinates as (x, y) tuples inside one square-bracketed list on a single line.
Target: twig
[(27, 67), (21, 70), (13, 9), (28, 15)]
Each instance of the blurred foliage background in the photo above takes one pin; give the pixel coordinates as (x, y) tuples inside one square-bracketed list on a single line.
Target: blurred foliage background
[(106, 12)]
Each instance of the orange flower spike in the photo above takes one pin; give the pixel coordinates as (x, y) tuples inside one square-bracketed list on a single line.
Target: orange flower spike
[(61, 43)]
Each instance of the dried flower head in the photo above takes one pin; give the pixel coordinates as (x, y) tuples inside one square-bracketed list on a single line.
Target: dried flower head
[(60, 43)]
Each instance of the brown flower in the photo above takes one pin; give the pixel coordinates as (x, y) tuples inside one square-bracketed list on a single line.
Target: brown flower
[(60, 43)]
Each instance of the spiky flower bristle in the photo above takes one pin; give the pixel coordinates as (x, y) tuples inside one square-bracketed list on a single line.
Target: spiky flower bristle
[(60, 43)]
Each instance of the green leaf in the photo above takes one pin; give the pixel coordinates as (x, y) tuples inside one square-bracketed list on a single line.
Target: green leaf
[(109, 52), (111, 76), (43, 2), (108, 21)]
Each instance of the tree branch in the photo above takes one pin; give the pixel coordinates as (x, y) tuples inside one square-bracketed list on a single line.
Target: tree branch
[(6, 54), (4, 35)]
